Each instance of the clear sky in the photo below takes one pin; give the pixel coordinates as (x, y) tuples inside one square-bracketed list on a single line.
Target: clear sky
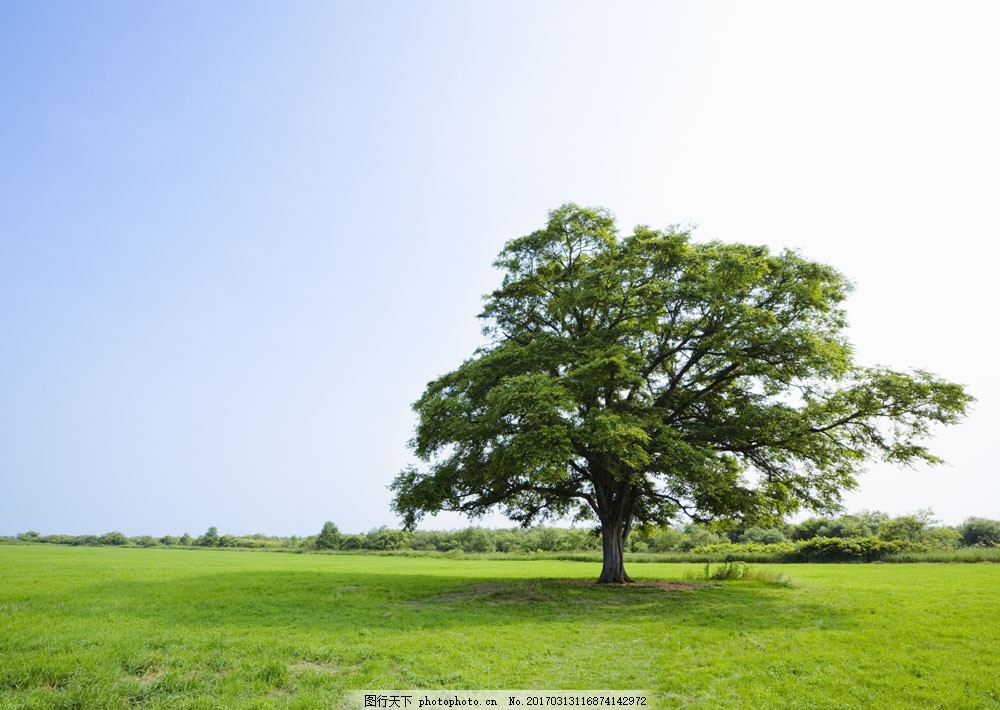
[(238, 238)]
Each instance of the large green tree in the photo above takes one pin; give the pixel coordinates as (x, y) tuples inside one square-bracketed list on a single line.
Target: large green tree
[(636, 380)]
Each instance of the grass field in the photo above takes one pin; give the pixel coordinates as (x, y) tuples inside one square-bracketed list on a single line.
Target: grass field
[(111, 627)]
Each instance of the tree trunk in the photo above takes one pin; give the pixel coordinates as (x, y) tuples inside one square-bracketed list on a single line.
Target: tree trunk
[(613, 544)]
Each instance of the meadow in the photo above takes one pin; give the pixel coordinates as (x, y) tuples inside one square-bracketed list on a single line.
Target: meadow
[(182, 628)]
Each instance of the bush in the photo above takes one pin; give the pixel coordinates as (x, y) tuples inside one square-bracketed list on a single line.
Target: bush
[(731, 570), (113, 538), (329, 537), (209, 539), (910, 528), (353, 542), (506, 541), (59, 539), (981, 532), (476, 540), (256, 542), (384, 538), (846, 549), (737, 549), (662, 539), (766, 536), (145, 541), (698, 536), (862, 524), (943, 536), (433, 540)]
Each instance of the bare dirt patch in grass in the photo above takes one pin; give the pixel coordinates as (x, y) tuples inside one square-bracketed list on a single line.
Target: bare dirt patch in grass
[(661, 584), (329, 668), (151, 675)]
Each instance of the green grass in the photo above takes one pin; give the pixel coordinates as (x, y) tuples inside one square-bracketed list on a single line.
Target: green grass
[(106, 627)]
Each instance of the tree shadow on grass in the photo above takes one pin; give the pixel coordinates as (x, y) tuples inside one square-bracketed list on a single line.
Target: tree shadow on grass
[(338, 602)]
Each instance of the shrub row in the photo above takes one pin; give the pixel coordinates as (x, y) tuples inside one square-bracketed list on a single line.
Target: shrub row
[(860, 537), (841, 549)]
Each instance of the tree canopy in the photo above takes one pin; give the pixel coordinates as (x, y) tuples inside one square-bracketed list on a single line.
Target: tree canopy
[(637, 379)]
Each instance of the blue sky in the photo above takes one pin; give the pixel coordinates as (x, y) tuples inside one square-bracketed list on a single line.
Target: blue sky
[(237, 239)]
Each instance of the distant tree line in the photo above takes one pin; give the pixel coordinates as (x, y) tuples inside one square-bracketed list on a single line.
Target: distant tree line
[(211, 538), (859, 536), (865, 535)]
